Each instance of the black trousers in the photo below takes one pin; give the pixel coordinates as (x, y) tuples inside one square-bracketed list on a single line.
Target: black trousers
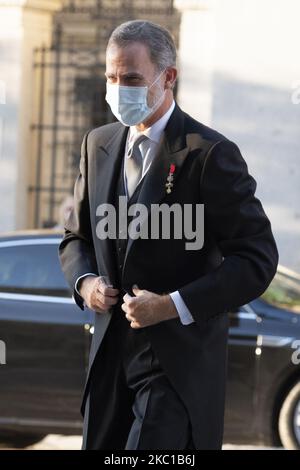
[(131, 403)]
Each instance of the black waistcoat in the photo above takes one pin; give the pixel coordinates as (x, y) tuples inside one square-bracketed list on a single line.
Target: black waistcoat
[(120, 244)]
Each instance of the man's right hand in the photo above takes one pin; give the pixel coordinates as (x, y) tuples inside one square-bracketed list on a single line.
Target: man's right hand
[(97, 295)]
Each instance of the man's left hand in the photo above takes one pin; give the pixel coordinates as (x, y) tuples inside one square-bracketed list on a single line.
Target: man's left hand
[(147, 308)]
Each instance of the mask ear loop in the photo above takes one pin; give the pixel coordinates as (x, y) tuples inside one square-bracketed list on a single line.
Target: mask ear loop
[(160, 99), (157, 78)]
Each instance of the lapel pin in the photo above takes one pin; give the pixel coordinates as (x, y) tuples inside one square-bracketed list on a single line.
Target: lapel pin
[(169, 184)]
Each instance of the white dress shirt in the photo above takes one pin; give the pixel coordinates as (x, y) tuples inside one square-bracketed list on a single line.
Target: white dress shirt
[(154, 134)]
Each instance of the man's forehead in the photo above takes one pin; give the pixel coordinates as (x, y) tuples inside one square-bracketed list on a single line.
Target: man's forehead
[(132, 53)]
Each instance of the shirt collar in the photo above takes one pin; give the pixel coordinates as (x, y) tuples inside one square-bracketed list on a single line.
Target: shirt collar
[(155, 131)]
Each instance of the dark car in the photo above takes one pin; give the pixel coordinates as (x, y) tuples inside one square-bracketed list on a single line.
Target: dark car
[(45, 340)]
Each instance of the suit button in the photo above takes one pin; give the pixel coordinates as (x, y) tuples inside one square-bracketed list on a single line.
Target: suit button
[(120, 266)]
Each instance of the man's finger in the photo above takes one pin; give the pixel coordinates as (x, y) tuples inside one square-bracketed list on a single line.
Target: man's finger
[(124, 307), (105, 290), (135, 325), (127, 297), (106, 300), (138, 292), (129, 317)]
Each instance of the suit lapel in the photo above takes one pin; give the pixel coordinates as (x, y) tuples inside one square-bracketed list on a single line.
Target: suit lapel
[(172, 150), (109, 159)]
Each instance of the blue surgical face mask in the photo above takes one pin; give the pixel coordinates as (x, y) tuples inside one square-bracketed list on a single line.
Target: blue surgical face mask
[(129, 103)]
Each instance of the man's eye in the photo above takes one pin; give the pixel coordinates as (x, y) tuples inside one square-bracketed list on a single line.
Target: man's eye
[(133, 79)]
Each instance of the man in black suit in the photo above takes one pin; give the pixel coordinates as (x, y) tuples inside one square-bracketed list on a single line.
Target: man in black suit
[(157, 368)]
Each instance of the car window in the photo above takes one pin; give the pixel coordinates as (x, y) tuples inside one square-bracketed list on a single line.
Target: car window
[(32, 269), (284, 292)]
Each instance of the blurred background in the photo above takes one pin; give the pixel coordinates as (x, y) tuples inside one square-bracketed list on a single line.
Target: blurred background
[(239, 73)]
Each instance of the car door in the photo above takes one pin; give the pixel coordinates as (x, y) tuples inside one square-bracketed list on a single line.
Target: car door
[(46, 339), (243, 368)]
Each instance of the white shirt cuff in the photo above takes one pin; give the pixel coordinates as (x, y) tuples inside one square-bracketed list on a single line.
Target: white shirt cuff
[(81, 277), (183, 312)]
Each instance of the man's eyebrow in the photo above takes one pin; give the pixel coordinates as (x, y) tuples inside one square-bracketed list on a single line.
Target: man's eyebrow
[(125, 75), (132, 74)]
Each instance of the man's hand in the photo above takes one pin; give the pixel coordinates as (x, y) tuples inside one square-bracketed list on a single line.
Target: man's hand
[(97, 295), (147, 308)]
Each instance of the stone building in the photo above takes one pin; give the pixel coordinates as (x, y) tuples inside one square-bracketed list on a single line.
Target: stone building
[(59, 66)]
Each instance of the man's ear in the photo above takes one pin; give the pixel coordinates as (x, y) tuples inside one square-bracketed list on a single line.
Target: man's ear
[(171, 76)]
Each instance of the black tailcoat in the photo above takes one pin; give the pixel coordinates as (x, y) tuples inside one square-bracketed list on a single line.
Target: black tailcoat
[(235, 265)]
